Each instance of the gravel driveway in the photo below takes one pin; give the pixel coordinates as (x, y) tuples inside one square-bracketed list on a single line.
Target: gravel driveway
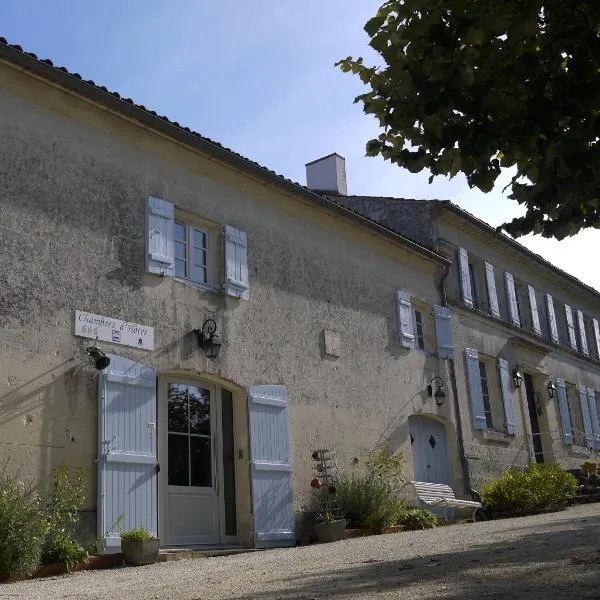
[(546, 556)]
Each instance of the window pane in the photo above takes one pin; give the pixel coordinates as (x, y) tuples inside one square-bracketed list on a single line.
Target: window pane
[(179, 268), (198, 274), (199, 239), (178, 407), (199, 258), (201, 462), (180, 250), (180, 231), (199, 410), (178, 459)]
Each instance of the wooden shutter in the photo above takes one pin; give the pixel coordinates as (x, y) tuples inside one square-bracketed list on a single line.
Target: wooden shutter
[(511, 296), (405, 319), (490, 278), (571, 327), (582, 336), (443, 331), (587, 418), (465, 278), (475, 391), (594, 416), (535, 316), (160, 237), (507, 396), (271, 470), (563, 409), (236, 263), (596, 327), (552, 319), (127, 464)]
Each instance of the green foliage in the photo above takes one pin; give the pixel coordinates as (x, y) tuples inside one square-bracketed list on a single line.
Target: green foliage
[(536, 488), (417, 518), (22, 528), (141, 533), (62, 510), (477, 87), (371, 499)]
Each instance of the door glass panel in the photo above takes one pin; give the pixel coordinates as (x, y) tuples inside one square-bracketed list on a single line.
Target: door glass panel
[(199, 400), (178, 459), (201, 461), (178, 408)]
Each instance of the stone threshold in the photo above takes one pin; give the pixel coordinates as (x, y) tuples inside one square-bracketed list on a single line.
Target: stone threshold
[(188, 552)]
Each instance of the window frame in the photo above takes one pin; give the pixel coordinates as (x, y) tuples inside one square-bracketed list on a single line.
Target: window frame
[(419, 337), (485, 394), (578, 437)]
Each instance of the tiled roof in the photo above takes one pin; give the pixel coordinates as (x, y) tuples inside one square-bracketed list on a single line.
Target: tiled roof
[(86, 87)]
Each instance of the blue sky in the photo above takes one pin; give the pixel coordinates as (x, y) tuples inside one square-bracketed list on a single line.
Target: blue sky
[(259, 78)]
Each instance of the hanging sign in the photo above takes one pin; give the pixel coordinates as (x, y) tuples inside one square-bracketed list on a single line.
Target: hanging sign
[(115, 331)]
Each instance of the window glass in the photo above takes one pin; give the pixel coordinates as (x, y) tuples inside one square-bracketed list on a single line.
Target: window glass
[(486, 395)]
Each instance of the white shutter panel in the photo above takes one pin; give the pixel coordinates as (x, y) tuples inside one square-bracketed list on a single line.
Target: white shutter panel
[(271, 470), (127, 463), (475, 391), (507, 396), (443, 330), (511, 295), (596, 336), (582, 336), (594, 416), (563, 409), (552, 319), (585, 413), (535, 316), (236, 263), (490, 279), (405, 319), (160, 237), (571, 327), (465, 279)]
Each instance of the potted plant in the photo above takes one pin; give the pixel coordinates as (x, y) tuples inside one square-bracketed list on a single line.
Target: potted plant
[(328, 528), (139, 547)]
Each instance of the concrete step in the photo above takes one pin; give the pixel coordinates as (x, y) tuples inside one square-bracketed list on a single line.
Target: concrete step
[(169, 554)]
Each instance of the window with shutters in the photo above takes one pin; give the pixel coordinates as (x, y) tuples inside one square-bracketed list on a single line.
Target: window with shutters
[(576, 415), (423, 327), (523, 305), (474, 285), (485, 389), (194, 251), (561, 323)]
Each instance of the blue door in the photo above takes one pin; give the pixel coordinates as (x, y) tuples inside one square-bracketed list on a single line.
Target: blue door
[(429, 450)]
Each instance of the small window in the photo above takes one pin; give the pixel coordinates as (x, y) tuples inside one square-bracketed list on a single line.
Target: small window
[(191, 253), (485, 389), (419, 330)]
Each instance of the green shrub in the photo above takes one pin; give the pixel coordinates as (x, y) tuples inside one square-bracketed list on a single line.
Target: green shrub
[(417, 518), (534, 489), (22, 528), (141, 533)]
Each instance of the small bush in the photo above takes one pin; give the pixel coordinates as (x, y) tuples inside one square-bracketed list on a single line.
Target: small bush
[(534, 489), (417, 518), (141, 533), (22, 528)]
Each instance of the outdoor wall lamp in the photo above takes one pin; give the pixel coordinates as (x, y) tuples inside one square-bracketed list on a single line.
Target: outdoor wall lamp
[(551, 389), (207, 340), (439, 393), (517, 378), (101, 361)]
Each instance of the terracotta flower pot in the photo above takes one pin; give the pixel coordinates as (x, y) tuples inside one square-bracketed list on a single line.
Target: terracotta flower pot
[(140, 552)]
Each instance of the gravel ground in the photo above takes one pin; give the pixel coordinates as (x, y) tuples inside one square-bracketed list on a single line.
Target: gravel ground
[(547, 556)]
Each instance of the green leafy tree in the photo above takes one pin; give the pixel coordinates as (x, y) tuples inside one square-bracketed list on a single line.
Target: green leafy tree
[(475, 86)]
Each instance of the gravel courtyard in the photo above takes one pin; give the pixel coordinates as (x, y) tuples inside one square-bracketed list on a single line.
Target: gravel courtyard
[(547, 556)]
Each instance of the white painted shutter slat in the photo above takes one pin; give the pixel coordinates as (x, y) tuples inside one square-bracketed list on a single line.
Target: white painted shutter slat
[(587, 418), (475, 391), (563, 409), (465, 279), (552, 319), (571, 327), (596, 327), (271, 469), (490, 278), (160, 237), (507, 396), (582, 336), (443, 330), (236, 263), (511, 295), (595, 418), (535, 316), (127, 473), (405, 319)]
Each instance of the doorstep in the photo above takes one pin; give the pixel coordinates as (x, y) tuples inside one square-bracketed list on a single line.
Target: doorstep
[(187, 552)]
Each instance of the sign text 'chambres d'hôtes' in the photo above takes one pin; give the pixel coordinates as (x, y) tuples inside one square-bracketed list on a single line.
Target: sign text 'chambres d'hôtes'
[(115, 331)]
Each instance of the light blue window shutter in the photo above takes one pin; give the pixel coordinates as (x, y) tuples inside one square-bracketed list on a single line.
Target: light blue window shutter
[(596, 336), (405, 319), (443, 331), (507, 396), (236, 263), (563, 409), (127, 465), (570, 327), (552, 319), (271, 470), (465, 278), (587, 418), (594, 416), (160, 237), (475, 391), (511, 296), (490, 279), (535, 316), (582, 336)]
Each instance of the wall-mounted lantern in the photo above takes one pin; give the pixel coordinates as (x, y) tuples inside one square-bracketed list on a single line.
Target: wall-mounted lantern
[(517, 378), (551, 389), (101, 361), (207, 339), (439, 393)]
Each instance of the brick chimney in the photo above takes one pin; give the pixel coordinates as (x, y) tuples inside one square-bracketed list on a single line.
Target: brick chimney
[(327, 174)]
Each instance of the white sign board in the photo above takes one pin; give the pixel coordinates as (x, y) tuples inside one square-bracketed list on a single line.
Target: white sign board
[(115, 331)]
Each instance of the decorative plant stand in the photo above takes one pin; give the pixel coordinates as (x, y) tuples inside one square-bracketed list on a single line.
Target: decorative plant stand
[(331, 525)]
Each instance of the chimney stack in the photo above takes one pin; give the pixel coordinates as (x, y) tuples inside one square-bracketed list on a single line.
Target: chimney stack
[(327, 174)]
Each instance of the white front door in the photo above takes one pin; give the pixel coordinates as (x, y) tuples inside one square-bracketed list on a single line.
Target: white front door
[(190, 464), (429, 450)]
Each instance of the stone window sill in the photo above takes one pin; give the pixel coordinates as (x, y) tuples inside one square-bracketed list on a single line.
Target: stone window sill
[(579, 450), (497, 436)]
